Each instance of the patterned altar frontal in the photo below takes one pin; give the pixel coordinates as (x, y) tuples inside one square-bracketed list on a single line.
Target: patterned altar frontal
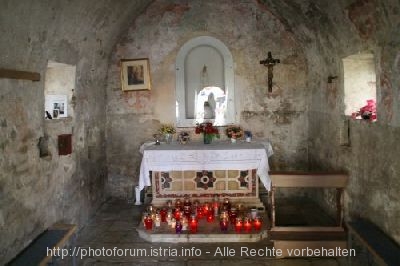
[(205, 171), (204, 185)]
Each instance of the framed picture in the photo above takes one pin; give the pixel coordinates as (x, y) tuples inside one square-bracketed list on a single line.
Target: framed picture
[(135, 74), (56, 106)]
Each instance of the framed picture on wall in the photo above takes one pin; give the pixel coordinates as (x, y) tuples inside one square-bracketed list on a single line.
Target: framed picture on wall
[(56, 106), (135, 74)]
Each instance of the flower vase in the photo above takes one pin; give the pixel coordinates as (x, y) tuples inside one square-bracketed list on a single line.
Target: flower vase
[(168, 138), (207, 138)]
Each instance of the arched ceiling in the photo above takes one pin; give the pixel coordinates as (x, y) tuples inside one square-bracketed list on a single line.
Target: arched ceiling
[(31, 29)]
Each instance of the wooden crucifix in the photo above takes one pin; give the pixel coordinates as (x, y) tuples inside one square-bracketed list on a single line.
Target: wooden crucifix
[(270, 63)]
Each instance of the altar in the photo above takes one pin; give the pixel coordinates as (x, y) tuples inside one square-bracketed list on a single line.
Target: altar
[(203, 172)]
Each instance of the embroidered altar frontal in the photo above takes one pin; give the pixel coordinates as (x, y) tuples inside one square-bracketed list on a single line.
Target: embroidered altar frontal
[(238, 185)]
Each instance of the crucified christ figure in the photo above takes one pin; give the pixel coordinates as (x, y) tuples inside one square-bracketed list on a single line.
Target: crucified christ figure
[(270, 63)]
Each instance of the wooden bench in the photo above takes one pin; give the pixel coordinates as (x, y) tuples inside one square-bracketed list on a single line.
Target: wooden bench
[(57, 236), (385, 250), (289, 237)]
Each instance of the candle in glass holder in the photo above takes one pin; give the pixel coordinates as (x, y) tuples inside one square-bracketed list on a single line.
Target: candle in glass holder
[(193, 224), (163, 215), (216, 208), (177, 214), (178, 227), (238, 225), (253, 212), (233, 215), (226, 205), (173, 223), (148, 223), (150, 209), (157, 220), (169, 216), (178, 204), (257, 224), (186, 210), (206, 208), (186, 201), (223, 224), (247, 225), (144, 216), (169, 204), (224, 215), (210, 217), (185, 223), (200, 212)]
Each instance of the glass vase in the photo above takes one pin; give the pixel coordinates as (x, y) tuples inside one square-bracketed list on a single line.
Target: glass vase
[(207, 138), (168, 138)]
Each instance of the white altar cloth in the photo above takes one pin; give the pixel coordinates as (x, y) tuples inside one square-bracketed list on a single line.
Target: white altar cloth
[(198, 156)]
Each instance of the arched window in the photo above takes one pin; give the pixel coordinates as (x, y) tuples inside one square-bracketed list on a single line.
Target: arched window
[(204, 83)]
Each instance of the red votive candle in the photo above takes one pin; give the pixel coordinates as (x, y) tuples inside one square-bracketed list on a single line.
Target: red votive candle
[(257, 224), (163, 215), (238, 225), (193, 226), (247, 225), (177, 214), (210, 217), (206, 209), (148, 223), (200, 212), (223, 224)]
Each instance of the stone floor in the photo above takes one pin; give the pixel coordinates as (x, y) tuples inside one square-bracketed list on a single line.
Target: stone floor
[(114, 227)]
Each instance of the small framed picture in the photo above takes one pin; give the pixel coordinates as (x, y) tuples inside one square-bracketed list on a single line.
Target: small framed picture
[(56, 105), (135, 74)]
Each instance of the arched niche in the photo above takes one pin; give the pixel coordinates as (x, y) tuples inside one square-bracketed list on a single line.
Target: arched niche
[(204, 83)]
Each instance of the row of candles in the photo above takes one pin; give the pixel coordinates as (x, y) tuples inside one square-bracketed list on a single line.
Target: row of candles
[(185, 216)]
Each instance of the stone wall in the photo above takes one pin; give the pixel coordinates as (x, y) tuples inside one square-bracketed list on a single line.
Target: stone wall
[(249, 31), (37, 192), (329, 32)]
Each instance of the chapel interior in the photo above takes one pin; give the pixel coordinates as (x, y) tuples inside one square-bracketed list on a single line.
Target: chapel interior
[(318, 80)]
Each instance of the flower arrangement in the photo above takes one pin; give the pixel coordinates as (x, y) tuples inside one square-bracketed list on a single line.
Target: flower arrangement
[(234, 132), (183, 137), (367, 112), (208, 130), (167, 129)]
